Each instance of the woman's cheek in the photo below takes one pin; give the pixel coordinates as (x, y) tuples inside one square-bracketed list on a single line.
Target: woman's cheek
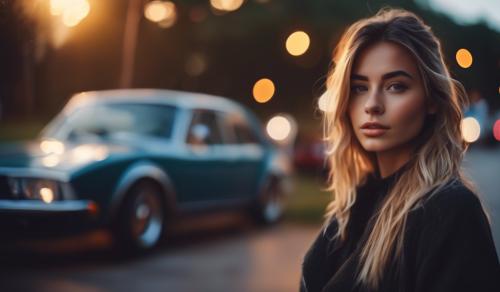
[(408, 116)]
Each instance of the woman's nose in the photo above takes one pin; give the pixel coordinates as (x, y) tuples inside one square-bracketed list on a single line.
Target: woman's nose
[(374, 103)]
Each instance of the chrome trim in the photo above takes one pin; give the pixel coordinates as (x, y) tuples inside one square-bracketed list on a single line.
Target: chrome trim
[(34, 173), (39, 206)]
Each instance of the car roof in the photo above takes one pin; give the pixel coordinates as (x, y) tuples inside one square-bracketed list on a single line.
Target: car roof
[(183, 99)]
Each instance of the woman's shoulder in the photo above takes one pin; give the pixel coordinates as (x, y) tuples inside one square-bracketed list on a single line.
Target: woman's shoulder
[(451, 201), (453, 195)]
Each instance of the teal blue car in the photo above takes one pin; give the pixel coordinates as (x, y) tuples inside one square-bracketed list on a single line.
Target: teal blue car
[(137, 161)]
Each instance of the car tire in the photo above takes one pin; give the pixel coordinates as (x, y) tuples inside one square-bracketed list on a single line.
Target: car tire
[(140, 223), (271, 204)]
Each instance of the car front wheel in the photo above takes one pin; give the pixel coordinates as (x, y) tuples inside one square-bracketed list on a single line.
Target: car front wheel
[(140, 223), (271, 204)]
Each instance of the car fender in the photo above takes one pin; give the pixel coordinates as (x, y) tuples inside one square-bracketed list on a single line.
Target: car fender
[(278, 170), (136, 172)]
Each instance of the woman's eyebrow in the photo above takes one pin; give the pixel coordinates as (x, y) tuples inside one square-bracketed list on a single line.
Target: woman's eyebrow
[(384, 77), (396, 73)]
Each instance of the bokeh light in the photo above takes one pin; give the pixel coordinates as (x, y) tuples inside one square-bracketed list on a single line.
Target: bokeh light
[(464, 58), (323, 103), (50, 146), (76, 13), (88, 152), (58, 6), (47, 195), (226, 5), (279, 128), (162, 12), (51, 160), (72, 12), (297, 43), (496, 130), (263, 90), (470, 129)]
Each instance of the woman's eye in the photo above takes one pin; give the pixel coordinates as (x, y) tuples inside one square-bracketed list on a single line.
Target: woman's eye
[(397, 87), (356, 89)]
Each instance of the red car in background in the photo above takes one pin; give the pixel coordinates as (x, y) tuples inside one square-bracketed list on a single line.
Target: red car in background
[(310, 154)]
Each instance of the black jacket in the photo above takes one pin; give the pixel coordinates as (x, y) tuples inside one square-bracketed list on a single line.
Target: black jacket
[(448, 246)]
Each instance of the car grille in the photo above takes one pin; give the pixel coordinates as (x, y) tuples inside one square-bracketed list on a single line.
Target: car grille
[(5, 192)]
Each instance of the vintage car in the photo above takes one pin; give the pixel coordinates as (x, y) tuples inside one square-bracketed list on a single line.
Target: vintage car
[(137, 160)]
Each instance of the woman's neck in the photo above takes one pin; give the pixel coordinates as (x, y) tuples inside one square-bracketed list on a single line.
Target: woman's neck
[(388, 162)]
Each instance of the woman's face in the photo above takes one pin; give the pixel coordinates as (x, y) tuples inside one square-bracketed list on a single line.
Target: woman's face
[(386, 91)]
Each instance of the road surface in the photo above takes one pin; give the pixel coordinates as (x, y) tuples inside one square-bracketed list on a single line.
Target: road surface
[(237, 257)]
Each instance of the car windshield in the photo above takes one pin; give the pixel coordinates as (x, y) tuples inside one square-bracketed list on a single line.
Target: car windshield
[(114, 120)]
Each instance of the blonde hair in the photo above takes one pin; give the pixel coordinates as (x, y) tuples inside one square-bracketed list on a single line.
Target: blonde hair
[(438, 155)]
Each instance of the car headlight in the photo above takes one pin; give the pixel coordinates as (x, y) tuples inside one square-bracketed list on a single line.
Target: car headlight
[(39, 189)]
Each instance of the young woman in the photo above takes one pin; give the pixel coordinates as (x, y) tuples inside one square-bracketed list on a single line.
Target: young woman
[(403, 216)]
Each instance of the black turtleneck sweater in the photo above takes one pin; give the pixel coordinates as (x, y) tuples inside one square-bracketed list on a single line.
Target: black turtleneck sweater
[(448, 246)]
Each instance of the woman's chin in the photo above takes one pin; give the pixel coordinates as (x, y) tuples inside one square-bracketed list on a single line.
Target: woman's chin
[(375, 146)]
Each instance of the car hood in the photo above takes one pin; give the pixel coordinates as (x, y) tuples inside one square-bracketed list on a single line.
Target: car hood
[(57, 155)]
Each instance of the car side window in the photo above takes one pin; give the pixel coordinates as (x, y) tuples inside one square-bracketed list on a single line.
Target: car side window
[(204, 129), (245, 134), (237, 130)]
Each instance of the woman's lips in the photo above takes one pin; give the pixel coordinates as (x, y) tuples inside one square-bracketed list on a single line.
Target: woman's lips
[(373, 132)]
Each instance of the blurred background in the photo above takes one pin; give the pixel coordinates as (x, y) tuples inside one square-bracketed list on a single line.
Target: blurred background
[(272, 56)]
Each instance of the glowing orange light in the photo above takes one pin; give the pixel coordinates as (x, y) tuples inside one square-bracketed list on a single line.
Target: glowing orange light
[(263, 90), (464, 58), (226, 5), (58, 6), (72, 11), (297, 43), (162, 12)]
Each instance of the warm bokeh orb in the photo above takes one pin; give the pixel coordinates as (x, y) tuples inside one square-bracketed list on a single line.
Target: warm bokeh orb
[(464, 58), (323, 103), (279, 128), (263, 90), (226, 5), (297, 43), (470, 129)]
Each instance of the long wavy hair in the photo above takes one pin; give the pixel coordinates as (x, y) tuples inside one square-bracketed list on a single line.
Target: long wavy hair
[(438, 154)]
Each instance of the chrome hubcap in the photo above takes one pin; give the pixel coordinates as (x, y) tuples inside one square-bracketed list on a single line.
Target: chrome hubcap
[(274, 205), (147, 218)]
